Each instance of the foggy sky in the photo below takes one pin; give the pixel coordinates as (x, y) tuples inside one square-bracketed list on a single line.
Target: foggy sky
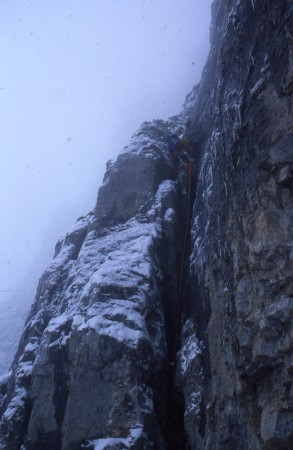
[(77, 77)]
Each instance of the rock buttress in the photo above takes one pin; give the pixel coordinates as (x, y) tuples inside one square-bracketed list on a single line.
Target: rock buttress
[(97, 363), (92, 368)]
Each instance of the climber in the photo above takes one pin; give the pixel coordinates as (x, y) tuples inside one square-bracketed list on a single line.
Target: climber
[(173, 142), (177, 148)]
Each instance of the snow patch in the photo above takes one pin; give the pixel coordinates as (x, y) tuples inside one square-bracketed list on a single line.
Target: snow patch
[(164, 189), (16, 405), (169, 215), (189, 352), (61, 341), (149, 140), (191, 348), (101, 444), (31, 347), (56, 323), (24, 369), (193, 405), (121, 322)]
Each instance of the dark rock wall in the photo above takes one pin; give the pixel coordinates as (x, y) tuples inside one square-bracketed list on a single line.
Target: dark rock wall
[(241, 263), (165, 318)]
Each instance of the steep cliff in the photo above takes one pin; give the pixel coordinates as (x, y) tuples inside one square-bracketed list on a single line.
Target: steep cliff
[(165, 318), (241, 263)]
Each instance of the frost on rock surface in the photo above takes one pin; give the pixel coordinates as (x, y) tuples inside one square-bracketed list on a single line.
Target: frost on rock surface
[(94, 347), (165, 318), (241, 233), (189, 378)]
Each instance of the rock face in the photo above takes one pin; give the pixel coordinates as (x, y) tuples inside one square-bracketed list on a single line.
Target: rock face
[(241, 263), (92, 368), (165, 318)]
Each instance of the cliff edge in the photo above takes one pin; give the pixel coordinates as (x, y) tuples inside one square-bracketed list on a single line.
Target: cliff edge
[(165, 318)]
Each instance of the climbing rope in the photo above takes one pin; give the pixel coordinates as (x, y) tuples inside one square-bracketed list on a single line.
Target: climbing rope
[(183, 257)]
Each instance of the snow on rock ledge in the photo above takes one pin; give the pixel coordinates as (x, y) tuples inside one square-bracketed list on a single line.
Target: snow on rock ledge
[(93, 350)]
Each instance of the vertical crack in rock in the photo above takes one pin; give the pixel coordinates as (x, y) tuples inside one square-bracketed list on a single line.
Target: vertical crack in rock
[(102, 363), (173, 254)]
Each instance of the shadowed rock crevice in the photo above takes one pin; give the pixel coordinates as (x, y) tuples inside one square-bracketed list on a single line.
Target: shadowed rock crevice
[(174, 250), (133, 342)]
